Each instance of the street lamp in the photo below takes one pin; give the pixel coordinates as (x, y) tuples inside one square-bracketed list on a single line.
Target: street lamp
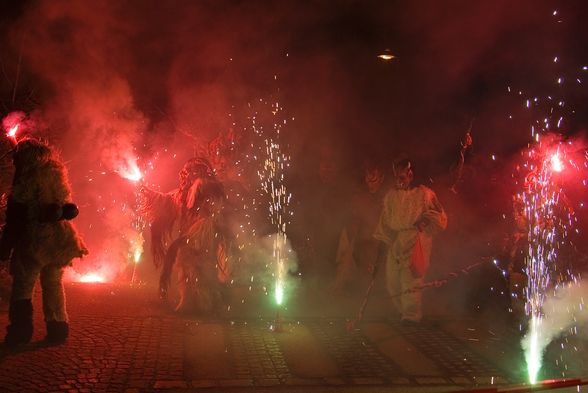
[(386, 55)]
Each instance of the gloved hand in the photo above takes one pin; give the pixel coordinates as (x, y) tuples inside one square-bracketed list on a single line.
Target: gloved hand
[(69, 211), (54, 212)]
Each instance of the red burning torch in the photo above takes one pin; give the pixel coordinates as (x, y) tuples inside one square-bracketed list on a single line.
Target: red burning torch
[(131, 171), (13, 123), (11, 134)]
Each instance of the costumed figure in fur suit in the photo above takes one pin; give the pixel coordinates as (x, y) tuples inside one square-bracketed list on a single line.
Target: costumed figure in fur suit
[(409, 219), (39, 240), (188, 229)]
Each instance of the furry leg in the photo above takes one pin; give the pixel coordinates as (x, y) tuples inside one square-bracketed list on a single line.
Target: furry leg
[(53, 294)]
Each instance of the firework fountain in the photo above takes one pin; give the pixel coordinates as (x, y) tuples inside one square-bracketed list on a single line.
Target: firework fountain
[(549, 218), (547, 225), (271, 175)]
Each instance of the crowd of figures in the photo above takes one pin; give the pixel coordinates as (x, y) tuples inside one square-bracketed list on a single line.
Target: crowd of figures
[(343, 232)]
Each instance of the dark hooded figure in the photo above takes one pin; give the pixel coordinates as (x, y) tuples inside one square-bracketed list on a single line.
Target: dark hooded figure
[(39, 240)]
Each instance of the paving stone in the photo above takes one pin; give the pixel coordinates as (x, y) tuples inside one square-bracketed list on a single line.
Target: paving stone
[(119, 342), (334, 381), (399, 381), (203, 383), (431, 381), (367, 381), (235, 382), (461, 380), (170, 385), (294, 381), (267, 382)]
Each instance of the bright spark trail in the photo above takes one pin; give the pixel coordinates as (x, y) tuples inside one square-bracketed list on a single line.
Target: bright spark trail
[(549, 218), (541, 198), (549, 215), (273, 185)]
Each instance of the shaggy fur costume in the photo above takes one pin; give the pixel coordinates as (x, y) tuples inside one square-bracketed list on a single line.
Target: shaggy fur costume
[(39, 241), (187, 230)]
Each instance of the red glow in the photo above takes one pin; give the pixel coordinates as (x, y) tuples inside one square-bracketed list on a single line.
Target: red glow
[(92, 277), (97, 274)]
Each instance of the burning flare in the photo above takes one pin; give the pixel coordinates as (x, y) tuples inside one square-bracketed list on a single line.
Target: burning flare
[(556, 163), (92, 277), (12, 131), (131, 172)]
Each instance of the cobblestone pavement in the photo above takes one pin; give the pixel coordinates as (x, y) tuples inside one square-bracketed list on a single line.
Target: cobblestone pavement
[(123, 340)]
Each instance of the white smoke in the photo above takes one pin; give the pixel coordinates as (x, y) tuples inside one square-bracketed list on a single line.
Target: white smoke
[(564, 313), (260, 264)]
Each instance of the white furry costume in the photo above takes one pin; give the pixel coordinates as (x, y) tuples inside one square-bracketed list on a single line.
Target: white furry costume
[(403, 209), (41, 241)]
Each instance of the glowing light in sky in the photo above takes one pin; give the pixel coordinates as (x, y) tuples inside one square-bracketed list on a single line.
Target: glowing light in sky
[(386, 55)]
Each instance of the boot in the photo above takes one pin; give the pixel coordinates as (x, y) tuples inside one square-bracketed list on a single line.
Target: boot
[(20, 330), (57, 332)]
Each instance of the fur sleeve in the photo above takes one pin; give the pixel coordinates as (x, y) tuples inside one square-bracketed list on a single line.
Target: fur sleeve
[(55, 184), (161, 211)]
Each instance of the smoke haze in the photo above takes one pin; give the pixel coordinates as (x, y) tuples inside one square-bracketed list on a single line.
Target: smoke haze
[(116, 81)]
